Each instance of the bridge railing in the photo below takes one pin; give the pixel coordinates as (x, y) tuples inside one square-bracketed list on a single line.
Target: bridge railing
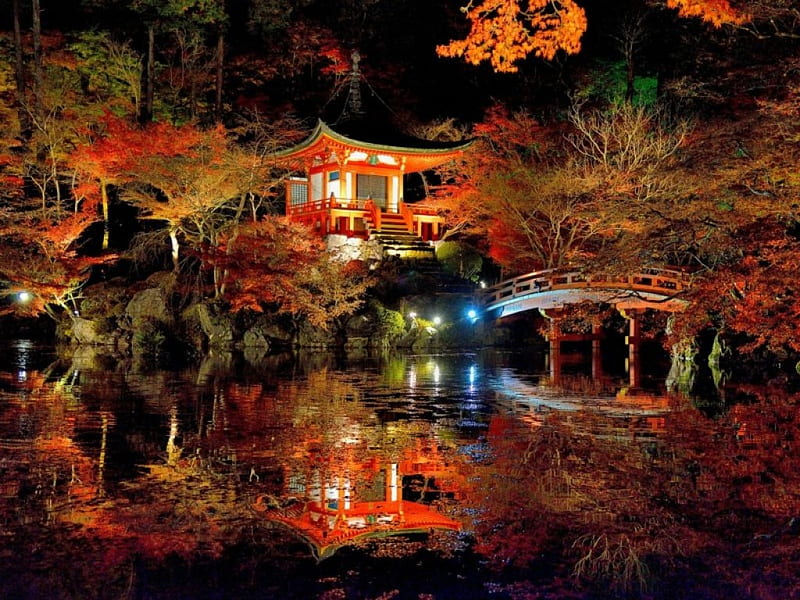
[(660, 281)]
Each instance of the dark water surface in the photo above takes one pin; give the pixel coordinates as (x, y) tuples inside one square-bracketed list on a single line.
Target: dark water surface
[(473, 475)]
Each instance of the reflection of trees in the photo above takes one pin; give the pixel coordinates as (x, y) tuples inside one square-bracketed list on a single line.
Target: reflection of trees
[(601, 507)]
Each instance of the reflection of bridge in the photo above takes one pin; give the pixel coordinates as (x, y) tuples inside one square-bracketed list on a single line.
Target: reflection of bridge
[(600, 412), (652, 288), (550, 291)]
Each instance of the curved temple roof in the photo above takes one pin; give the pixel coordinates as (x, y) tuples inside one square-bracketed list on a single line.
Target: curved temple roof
[(401, 517), (414, 154)]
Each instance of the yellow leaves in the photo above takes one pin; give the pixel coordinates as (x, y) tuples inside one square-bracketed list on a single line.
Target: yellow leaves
[(503, 33)]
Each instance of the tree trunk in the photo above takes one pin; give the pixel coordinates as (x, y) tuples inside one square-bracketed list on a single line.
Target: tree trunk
[(147, 109), (220, 65), (25, 125), (175, 253), (223, 274), (629, 80), (104, 201), (38, 77)]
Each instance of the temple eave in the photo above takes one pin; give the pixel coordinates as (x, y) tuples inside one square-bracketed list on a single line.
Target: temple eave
[(323, 142)]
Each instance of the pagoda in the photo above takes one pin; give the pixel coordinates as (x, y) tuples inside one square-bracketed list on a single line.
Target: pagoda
[(354, 177)]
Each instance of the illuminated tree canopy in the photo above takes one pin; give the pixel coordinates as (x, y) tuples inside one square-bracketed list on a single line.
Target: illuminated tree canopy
[(503, 32)]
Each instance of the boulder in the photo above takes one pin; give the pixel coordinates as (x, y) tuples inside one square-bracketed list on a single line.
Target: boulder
[(265, 332), (150, 304), (255, 338), (219, 329), (316, 337), (92, 332)]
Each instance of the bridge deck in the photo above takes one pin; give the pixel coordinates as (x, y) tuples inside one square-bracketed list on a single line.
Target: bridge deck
[(652, 288)]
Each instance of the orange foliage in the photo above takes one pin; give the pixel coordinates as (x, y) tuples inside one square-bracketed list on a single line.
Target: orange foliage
[(41, 257), (716, 12), (504, 32), (119, 149), (264, 262), (756, 296), (278, 264), (512, 187)]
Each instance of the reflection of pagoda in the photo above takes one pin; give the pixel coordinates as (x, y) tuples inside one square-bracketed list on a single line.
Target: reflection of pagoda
[(354, 502)]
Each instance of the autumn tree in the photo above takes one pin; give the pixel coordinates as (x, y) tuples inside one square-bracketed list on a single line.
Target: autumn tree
[(275, 265), (264, 263), (503, 32), (630, 156), (745, 240), (117, 152), (338, 289), (182, 180), (43, 265), (253, 161), (533, 212)]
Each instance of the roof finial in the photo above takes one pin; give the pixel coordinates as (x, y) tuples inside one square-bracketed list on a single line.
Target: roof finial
[(353, 106)]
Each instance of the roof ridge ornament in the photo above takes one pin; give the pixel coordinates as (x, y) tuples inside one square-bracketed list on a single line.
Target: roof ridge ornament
[(353, 107)]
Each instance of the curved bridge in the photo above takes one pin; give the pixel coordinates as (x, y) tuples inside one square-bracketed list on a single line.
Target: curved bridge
[(651, 288)]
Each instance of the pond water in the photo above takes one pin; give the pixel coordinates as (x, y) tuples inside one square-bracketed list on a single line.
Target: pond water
[(470, 475)]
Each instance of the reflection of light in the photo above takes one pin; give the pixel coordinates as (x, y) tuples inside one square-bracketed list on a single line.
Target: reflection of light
[(472, 376), (23, 348), (352, 435), (436, 373), (393, 483), (412, 378), (173, 451)]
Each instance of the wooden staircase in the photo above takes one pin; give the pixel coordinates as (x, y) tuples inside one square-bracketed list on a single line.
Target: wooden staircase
[(396, 240)]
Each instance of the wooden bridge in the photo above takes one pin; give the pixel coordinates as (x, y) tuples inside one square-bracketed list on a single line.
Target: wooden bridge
[(659, 289)]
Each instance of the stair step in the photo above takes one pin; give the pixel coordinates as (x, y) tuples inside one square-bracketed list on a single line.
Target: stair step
[(396, 240)]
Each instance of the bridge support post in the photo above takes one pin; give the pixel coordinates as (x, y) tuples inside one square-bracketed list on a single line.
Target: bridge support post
[(554, 337), (597, 359), (632, 339)]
